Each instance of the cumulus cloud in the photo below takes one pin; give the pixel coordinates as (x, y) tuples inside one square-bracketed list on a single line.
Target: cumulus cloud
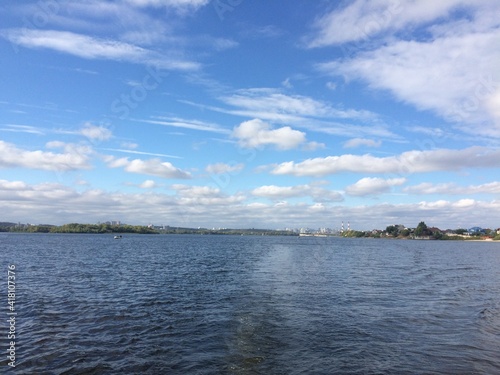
[(405, 163), (257, 133), (373, 186), (220, 168), (153, 167), (98, 133), (12, 185), (74, 157)]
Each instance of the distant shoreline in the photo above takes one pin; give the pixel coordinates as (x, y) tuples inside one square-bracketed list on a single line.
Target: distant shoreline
[(117, 229)]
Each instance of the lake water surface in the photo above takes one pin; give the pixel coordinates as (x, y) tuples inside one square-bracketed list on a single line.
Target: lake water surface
[(175, 304)]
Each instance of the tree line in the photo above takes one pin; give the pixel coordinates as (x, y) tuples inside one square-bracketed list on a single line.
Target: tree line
[(79, 228)]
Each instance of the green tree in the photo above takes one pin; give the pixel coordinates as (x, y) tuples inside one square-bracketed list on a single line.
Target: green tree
[(421, 229), (405, 233), (392, 230)]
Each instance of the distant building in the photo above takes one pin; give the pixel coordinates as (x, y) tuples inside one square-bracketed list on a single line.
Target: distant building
[(476, 230)]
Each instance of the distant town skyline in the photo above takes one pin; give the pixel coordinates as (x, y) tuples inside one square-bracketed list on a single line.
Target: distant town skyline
[(248, 114)]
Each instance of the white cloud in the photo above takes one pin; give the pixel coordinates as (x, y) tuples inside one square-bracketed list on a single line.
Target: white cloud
[(187, 124), (356, 142), (88, 47), (459, 87), (208, 207), (98, 133), (129, 145), (205, 196), (153, 167), (271, 104), (220, 168), (373, 186), (74, 157), (12, 185), (363, 19), (148, 184), (300, 111), (257, 133), (284, 192), (453, 189), (134, 152), (331, 85), (453, 71), (192, 4), (22, 129), (405, 163)]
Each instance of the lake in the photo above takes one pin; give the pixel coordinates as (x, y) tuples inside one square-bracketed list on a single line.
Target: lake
[(193, 304)]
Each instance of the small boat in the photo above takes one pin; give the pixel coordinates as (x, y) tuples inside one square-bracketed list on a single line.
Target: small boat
[(118, 237)]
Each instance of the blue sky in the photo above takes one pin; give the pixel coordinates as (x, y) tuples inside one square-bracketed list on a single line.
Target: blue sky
[(239, 113)]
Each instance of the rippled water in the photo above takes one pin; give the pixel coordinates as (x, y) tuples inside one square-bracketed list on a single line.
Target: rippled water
[(145, 304)]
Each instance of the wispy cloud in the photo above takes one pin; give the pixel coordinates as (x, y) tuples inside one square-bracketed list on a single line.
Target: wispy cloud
[(141, 153), (462, 82), (88, 47), (363, 19), (272, 105), (187, 124), (357, 142), (22, 129), (179, 4)]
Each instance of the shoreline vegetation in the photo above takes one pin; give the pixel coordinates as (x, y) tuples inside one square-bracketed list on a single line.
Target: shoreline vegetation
[(421, 232), (133, 229)]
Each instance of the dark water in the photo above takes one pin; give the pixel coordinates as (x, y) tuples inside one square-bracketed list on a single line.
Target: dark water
[(89, 304)]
